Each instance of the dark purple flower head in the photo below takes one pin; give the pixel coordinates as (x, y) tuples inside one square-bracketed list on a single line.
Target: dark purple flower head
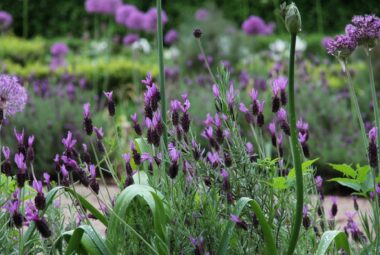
[(5, 20), (12, 207), (276, 88), (129, 39), (69, 142), (201, 15), (30, 140), (272, 128), (86, 110), (365, 29), (150, 20), (255, 25), (171, 37), (281, 115), (334, 207), (6, 152), (59, 49), (99, 133), (46, 178), (239, 222), (341, 46), (37, 185), (148, 80), (372, 135), (304, 210), (13, 96), (224, 173), (109, 96), (123, 12), (279, 139)]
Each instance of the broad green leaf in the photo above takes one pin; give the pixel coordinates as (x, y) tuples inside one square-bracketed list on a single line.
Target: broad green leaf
[(344, 169), (160, 221), (362, 173), (141, 178), (328, 237), (305, 168), (74, 241), (227, 234), (351, 183)]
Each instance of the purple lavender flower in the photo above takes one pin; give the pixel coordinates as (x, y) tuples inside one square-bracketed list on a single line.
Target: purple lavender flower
[(248, 115), (5, 20), (302, 138), (281, 83), (244, 78), (341, 46), (196, 150), (46, 178), (215, 91), (150, 21), (255, 25), (171, 37), (102, 6), (13, 96), (260, 116), (250, 151), (136, 125), (230, 98), (148, 80), (226, 183), (39, 200), (283, 119), (87, 121), (69, 142), (94, 185), (136, 155), (174, 155), (372, 148), (202, 15), (6, 167), (13, 208), (110, 103), (305, 219), (30, 151), (239, 222), (123, 12), (276, 100), (31, 214), (21, 165), (334, 207), (129, 39), (272, 131), (214, 159), (364, 29)]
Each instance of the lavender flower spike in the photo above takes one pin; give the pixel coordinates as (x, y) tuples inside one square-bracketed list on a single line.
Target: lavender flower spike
[(372, 148), (110, 102)]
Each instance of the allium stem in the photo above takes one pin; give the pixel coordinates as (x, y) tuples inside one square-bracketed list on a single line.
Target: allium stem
[(295, 151), (355, 103), (161, 70), (206, 60), (375, 172)]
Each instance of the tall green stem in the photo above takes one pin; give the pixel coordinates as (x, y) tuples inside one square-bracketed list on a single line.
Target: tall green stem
[(161, 70), (295, 151)]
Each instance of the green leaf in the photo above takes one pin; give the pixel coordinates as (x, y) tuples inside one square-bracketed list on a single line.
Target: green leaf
[(345, 169), (75, 241), (351, 183), (362, 173), (141, 178), (328, 237), (227, 234), (305, 168), (160, 221), (279, 183)]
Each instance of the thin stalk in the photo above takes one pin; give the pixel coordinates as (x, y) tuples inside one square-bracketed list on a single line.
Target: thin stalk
[(160, 47), (206, 61), (375, 171), (295, 151), (355, 103), (257, 142)]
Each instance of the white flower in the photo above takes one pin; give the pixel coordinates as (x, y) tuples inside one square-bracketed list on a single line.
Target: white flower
[(142, 44)]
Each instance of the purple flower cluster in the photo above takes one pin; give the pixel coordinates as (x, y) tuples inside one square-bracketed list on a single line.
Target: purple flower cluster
[(171, 37), (102, 6), (13, 96), (130, 39), (131, 17), (255, 25), (364, 30), (5, 20), (58, 52)]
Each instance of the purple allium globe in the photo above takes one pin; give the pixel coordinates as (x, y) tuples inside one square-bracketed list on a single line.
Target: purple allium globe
[(13, 96), (171, 37), (341, 46), (123, 12), (364, 29), (255, 25), (135, 20), (102, 6), (201, 15), (150, 22), (5, 20), (325, 41), (59, 49), (130, 39)]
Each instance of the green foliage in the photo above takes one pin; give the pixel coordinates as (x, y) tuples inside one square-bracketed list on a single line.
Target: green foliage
[(20, 50), (329, 237)]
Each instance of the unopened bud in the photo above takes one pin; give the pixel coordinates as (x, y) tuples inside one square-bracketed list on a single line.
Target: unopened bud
[(293, 21)]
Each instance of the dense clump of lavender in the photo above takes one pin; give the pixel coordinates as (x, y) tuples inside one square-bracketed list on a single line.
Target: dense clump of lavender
[(13, 96), (5, 20), (255, 25)]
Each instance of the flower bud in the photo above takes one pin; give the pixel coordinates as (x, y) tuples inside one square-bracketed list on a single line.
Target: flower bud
[(293, 21)]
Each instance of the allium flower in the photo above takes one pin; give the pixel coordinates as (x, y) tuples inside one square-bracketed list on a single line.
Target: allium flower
[(372, 148), (135, 20), (202, 15), (5, 20), (325, 41), (171, 37), (255, 25), (130, 39), (364, 29), (13, 96), (123, 12), (102, 6), (59, 49), (341, 46), (150, 21)]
